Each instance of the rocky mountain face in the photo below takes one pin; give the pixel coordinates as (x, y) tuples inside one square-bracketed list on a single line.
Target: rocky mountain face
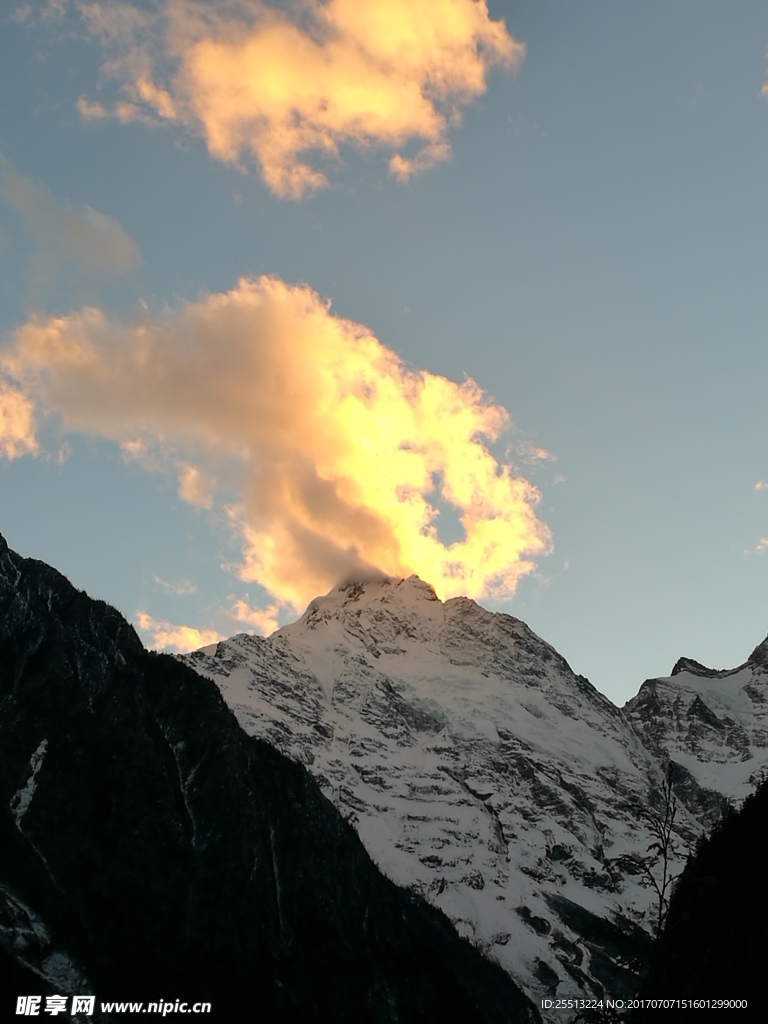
[(481, 772), (150, 849)]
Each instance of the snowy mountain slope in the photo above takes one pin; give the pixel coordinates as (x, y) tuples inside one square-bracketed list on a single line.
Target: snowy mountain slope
[(713, 724), (476, 766)]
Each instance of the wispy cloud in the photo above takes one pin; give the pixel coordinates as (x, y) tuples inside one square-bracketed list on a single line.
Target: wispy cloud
[(177, 588), (22, 13), (92, 243), (533, 454), (168, 636), (287, 89), (41, 11), (195, 486), (328, 453), (761, 485)]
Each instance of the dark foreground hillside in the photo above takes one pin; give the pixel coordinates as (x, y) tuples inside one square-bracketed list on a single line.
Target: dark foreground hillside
[(715, 943), (150, 850)]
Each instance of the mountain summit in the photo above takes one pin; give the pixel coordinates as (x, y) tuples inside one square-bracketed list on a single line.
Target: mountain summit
[(478, 769), (483, 773), (713, 725)]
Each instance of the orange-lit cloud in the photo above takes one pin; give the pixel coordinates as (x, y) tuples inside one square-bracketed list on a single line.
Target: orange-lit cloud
[(288, 88), (329, 454), (167, 636), (264, 620), (194, 486), (17, 427)]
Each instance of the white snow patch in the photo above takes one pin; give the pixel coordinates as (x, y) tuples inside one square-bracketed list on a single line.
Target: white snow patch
[(23, 797)]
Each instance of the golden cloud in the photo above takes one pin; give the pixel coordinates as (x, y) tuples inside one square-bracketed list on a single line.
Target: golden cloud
[(265, 620), (258, 84), (330, 455), (17, 428), (167, 636)]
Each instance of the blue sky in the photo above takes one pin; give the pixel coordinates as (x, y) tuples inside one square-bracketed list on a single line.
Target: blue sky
[(592, 254)]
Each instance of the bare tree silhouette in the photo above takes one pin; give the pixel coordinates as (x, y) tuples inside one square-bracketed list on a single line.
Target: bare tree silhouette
[(657, 864)]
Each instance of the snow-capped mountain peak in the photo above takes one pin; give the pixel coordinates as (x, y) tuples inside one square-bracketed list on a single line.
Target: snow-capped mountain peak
[(477, 767), (481, 771), (385, 604)]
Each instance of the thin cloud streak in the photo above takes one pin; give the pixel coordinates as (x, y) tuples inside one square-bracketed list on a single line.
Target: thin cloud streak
[(177, 588), (287, 92), (93, 243), (329, 455)]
